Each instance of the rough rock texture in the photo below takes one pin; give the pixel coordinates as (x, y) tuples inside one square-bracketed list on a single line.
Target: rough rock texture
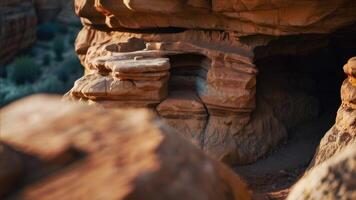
[(343, 133), (80, 152), (17, 27), (278, 17), (142, 70), (207, 88), (333, 179)]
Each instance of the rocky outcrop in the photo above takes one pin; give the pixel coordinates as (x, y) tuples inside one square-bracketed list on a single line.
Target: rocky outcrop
[(194, 64), (343, 133), (80, 152), (243, 16), (17, 27), (332, 179), (175, 73)]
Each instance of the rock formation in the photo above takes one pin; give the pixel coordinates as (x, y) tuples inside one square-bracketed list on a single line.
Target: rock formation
[(17, 27), (78, 152), (343, 133), (243, 16), (194, 63), (333, 179)]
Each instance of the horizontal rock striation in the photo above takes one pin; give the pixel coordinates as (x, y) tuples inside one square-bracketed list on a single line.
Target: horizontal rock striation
[(17, 27), (243, 16), (194, 64)]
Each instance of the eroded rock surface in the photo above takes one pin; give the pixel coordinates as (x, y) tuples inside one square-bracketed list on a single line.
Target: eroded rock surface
[(73, 151), (332, 179), (17, 27), (243, 16), (343, 133), (172, 55)]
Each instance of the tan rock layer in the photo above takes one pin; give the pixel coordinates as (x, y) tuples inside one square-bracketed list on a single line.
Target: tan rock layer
[(243, 16), (215, 66), (80, 152)]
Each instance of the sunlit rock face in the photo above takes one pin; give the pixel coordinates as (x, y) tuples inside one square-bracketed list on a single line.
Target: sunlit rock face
[(246, 17), (196, 64), (17, 27), (64, 150)]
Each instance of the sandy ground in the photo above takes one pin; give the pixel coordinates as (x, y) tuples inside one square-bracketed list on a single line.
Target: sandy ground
[(273, 176)]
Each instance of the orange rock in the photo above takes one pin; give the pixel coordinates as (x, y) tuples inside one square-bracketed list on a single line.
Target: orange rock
[(243, 16), (80, 152)]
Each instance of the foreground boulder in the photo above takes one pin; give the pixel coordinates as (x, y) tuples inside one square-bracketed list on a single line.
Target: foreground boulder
[(73, 151), (333, 179), (343, 133)]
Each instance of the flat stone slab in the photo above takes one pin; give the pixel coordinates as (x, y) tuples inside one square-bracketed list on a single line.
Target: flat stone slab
[(139, 65), (182, 102)]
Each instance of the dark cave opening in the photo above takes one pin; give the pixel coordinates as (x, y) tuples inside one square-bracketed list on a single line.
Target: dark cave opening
[(301, 81), (186, 70), (307, 82)]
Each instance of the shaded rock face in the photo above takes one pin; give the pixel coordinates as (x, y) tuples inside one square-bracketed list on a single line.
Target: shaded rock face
[(17, 27), (343, 133), (332, 179), (65, 154), (200, 74)]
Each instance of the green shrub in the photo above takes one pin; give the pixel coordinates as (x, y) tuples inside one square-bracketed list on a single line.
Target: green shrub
[(24, 70), (50, 85), (46, 60), (71, 39), (63, 29), (10, 92), (3, 71), (70, 67), (58, 48), (47, 31)]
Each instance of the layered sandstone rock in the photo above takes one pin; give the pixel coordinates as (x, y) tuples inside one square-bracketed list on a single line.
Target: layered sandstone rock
[(333, 179), (343, 133), (72, 151), (185, 76), (208, 92), (17, 27), (243, 16)]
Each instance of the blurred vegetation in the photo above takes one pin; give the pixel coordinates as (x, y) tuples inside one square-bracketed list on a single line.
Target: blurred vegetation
[(24, 70), (47, 31), (46, 60), (58, 48), (50, 66)]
